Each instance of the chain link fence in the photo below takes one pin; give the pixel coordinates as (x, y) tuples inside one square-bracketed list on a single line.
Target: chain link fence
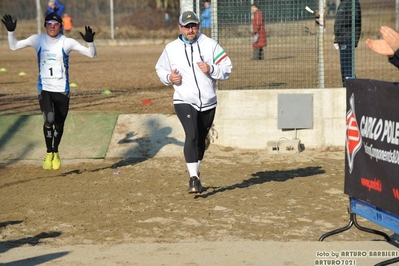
[(299, 53)]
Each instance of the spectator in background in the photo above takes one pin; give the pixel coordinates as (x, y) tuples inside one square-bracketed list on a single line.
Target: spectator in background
[(54, 6), (258, 33), (331, 7), (206, 17), (344, 40), (167, 19), (388, 45), (67, 22)]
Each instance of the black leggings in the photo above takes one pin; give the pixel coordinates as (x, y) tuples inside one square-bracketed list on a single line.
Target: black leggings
[(196, 126), (54, 107)]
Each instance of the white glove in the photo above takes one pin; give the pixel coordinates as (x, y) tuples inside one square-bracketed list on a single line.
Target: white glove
[(255, 38)]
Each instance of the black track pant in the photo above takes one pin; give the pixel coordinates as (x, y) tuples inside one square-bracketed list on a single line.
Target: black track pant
[(196, 126), (54, 107)]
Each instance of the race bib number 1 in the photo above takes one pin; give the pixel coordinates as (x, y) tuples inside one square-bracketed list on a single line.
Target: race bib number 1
[(51, 71)]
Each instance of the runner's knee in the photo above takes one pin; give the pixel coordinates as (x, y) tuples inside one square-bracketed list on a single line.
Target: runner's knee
[(48, 119)]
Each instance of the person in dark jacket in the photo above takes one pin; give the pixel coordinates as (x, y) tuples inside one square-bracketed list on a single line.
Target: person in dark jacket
[(347, 35), (258, 33), (388, 45)]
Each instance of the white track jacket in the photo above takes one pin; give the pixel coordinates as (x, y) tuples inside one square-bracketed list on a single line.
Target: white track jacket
[(196, 88)]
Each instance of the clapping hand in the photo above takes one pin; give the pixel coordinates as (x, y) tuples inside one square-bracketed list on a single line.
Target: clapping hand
[(391, 37), (380, 47), (389, 43)]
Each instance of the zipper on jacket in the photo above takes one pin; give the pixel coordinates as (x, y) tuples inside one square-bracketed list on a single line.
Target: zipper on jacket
[(195, 76)]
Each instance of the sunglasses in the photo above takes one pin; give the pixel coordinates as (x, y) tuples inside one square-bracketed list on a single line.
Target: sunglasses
[(190, 26), (53, 23)]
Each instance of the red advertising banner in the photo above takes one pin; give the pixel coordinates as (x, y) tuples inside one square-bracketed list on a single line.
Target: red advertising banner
[(372, 143)]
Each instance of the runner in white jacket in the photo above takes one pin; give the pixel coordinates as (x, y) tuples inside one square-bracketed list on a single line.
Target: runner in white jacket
[(52, 50), (192, 64)]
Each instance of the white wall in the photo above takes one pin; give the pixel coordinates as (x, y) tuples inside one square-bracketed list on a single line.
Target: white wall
[(248, 118)]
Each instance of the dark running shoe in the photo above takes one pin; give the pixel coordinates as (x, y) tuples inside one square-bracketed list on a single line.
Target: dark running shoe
[(194, 185)]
